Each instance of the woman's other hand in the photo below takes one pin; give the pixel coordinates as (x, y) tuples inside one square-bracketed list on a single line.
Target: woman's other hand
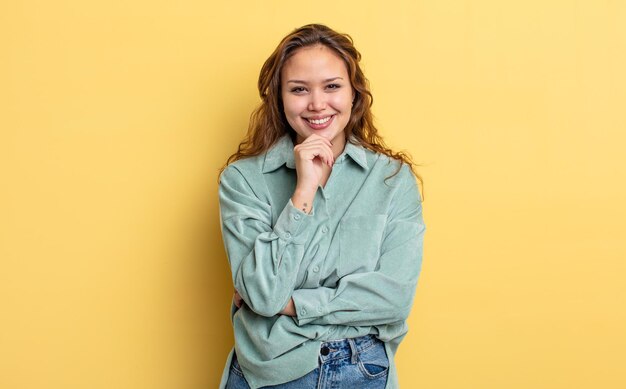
[(290, 309), (237, 300)]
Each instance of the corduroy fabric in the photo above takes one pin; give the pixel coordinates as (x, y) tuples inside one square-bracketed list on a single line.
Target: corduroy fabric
[(351, 265)]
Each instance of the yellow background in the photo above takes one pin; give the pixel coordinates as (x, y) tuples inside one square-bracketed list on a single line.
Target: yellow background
[(116, 115)]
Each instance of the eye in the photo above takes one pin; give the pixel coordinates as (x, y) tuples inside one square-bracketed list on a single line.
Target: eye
[(297, 89), (333, 86)]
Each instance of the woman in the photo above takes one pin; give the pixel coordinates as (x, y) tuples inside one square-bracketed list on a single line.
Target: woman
[(322, 226)]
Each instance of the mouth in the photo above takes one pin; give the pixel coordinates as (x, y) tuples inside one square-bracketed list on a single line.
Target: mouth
[(319, 123)]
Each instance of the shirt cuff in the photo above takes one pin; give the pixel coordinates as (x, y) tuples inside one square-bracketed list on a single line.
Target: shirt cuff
[(292, 223), (310, 304)]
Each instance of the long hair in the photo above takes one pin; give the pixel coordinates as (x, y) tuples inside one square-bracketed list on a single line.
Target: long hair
[(268, 122)]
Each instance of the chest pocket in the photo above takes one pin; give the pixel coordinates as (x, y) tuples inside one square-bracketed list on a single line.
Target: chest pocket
[(360, 239)]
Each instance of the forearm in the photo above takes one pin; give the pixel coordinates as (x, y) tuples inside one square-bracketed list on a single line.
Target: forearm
[(370, 301), (378, 297), (265, 269)]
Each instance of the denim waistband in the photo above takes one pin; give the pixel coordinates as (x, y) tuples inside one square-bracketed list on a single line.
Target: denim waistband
[(350, 347)]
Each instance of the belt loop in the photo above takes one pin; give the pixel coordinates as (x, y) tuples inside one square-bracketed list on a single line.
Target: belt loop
[(355, 354)]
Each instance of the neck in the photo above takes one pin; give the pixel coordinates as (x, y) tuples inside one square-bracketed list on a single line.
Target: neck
[(339, 144)]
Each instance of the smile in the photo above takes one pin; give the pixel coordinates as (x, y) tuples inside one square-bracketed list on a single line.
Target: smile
[(320, 121)]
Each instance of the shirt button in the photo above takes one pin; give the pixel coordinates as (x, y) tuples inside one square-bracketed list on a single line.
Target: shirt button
[(316, 268), (296, 216), (287, 235), (303, 311), (324, 230), (319, 309)]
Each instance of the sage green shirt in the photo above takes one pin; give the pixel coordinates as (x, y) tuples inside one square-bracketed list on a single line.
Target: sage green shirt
[(351, 265)]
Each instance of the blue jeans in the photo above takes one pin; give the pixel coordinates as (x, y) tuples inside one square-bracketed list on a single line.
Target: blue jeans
[(346, 363)]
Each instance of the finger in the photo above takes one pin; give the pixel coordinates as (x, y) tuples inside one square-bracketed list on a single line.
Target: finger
[(315, 137), (310, 151), (320, 154), (321, 143), (326, 154), (331, 156)]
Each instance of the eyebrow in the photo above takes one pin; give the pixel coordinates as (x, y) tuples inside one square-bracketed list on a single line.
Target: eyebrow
[(326, 80)]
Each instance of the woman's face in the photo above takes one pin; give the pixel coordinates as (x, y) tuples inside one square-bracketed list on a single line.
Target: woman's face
[(317, 94)]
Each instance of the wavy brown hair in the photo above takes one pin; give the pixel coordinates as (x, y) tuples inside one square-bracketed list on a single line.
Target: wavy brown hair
[(268, 122)]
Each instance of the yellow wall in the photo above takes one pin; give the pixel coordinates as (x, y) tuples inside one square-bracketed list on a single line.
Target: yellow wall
[(116, 115)]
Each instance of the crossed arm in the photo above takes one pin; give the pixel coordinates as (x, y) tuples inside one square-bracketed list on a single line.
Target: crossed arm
[(289, 310), (265, 260)]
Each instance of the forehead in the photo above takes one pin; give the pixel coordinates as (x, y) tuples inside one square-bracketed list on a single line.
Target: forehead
[(314, 62)]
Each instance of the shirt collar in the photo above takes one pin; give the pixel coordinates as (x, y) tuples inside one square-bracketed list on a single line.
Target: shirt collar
[(282, 154), (356, 152)]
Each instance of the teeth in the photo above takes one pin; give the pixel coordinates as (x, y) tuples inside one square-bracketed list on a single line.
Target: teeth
[(321, 121)]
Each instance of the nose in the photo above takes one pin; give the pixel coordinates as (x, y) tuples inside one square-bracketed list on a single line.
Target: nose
[(317, 101)]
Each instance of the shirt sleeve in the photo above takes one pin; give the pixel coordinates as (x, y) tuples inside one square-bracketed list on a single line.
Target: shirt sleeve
[(385, 295), (264, 259)]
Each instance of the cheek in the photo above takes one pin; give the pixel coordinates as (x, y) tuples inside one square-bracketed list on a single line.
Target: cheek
[(292, 107), (342, 102)]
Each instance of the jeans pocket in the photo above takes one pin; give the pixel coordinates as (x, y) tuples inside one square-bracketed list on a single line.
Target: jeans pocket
[(234, 366), (373, 361)]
